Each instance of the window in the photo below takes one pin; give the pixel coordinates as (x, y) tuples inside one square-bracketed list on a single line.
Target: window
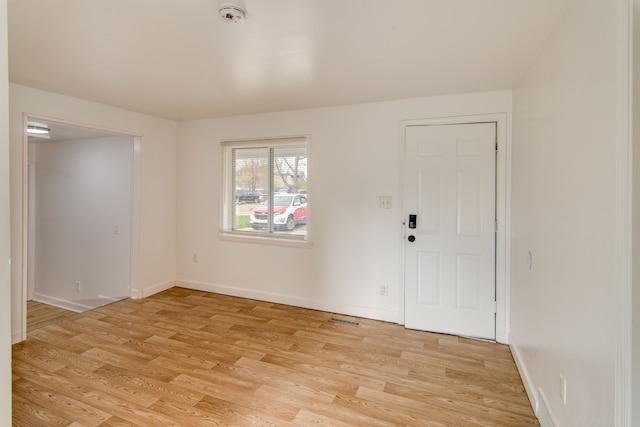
[(265, 185)]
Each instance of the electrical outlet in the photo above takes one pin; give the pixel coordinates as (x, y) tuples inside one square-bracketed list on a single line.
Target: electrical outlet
[(195, 258), (78, 285), (384, 290), (563, 389)]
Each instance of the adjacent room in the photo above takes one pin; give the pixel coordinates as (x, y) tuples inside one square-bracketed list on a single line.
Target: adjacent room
[(79, 220), (305, 212)]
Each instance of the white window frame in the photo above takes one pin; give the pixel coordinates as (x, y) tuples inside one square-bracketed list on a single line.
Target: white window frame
[(227, 199)]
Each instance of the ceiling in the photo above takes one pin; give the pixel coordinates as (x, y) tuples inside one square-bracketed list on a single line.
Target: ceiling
[(177, 59), (66, 132)]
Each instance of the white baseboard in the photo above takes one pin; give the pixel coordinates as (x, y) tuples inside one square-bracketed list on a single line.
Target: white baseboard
[(16, 337), (77, 306), (537, 399), (61, 303), (329, 306), (151, 290), (544, 413)]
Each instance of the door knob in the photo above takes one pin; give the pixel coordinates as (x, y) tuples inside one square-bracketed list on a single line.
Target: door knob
[(412, 238)]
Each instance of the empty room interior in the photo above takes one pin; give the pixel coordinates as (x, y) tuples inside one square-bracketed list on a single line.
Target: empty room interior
[(320, 212)]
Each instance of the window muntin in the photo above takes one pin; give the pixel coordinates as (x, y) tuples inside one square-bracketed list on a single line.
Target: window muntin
[(265, 186)]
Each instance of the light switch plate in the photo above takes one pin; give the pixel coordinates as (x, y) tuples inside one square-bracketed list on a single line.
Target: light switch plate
[(385, 202)]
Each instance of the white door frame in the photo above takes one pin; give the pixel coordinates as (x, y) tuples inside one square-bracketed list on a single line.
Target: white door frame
[(134, 269), (503, 208)]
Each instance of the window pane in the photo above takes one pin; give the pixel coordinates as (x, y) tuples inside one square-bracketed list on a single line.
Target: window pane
[(289, 178), (251, 183)]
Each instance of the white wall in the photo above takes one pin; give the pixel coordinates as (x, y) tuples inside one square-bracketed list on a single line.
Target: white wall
[(158, 181), (356, 156), (563, 310), (5, 289), (636, 220), (83, 192)]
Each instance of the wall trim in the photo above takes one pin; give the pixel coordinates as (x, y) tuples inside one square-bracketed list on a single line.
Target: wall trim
[(537, 398), (503, 207), (313, 304), (73, 305), (152, 290), (524, 375), (544, 415), (624, 181), (61, 303)]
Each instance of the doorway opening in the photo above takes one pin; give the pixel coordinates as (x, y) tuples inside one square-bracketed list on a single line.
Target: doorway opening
[(82, 227)]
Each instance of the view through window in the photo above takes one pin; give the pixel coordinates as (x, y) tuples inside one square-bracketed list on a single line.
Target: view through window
[(266, 187)]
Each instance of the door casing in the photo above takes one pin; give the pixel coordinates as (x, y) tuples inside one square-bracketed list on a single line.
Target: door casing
[(503, 211)]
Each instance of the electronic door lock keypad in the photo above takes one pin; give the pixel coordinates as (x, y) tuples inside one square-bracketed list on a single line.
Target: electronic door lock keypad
[(413, 221)]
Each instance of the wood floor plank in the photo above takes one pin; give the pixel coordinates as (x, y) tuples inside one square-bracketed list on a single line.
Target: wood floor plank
[(116, 422), (225, 349), (353, 416), (383, 413), (472, 403), (275, 380), (422, 410), (60, 338), (196, 416), (89, 394), (110, 330), (59, 355), (192, 358), (28, 414), (40, 314), (334, 375), (123, 391), (306, 417), (60, 404), (160, 346), (239, 393), (36, 357), (142, 380), (134, 325), (233, 413), (219, 384)]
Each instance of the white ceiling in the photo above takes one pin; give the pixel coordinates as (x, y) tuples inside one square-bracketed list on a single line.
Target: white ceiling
[(64, 132), (176, 58)]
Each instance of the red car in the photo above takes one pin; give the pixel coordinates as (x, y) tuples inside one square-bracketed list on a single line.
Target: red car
[(289, 210)]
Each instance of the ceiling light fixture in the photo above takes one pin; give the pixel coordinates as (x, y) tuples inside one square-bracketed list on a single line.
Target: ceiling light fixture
[(230, 12)]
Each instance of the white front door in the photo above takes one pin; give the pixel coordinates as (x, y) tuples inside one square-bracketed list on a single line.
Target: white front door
[(450, 184)]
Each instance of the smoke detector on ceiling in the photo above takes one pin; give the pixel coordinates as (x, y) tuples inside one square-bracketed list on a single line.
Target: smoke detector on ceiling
[(232, 13)]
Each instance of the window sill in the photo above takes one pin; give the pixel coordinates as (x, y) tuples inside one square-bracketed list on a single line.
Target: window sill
[(272, 240)]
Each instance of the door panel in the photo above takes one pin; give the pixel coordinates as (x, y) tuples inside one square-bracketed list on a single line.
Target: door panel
[(429, 278), (450, 266), (469, 208)]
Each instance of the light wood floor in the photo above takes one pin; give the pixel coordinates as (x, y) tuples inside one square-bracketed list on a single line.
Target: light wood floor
[(39, 314), (189, 358)]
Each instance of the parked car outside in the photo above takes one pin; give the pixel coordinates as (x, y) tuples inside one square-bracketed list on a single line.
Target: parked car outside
[(289, 210), (250, 196)]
